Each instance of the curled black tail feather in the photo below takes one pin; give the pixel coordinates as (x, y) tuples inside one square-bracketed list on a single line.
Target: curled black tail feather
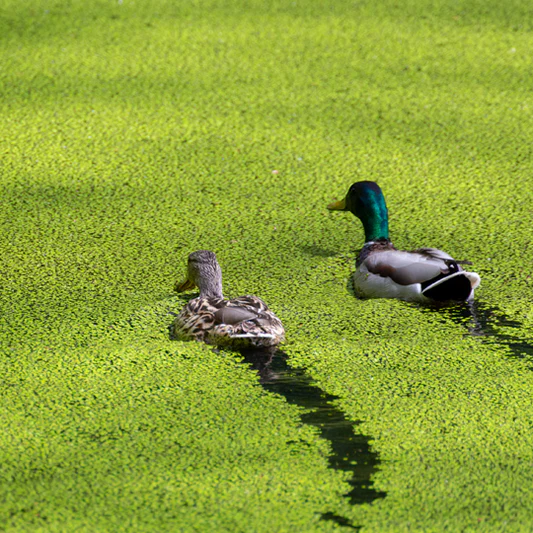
[(456, 288)]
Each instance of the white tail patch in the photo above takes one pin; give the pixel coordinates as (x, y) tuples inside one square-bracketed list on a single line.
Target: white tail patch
[(474, 278)]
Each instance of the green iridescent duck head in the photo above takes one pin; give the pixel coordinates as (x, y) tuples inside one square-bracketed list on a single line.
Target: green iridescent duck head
[(366, 201)]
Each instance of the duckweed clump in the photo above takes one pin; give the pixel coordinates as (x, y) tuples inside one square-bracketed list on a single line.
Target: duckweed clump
[(135, 132)]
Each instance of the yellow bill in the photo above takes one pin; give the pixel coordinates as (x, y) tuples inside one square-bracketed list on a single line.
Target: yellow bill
[(186, 285), (338, 206)]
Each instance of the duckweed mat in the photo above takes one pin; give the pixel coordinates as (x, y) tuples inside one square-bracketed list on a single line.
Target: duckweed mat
[(135, 132)]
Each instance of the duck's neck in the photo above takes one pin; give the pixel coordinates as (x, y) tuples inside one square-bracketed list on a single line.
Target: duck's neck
[(210, 288), (376, 229), (375, 220)]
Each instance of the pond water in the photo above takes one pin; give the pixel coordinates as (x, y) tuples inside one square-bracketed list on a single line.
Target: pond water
[(487, 323), (350, 450)]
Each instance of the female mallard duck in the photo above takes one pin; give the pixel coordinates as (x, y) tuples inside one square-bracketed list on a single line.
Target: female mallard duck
[(242, 322), (424, 275)]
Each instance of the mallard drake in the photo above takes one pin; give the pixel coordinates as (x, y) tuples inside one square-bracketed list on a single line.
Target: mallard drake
[(423, 275), (241, 322)]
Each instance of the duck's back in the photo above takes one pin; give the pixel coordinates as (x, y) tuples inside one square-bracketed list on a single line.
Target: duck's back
[(243, 321), (422, 275)]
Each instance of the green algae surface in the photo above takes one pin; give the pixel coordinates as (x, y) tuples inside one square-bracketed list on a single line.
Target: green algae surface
[(135, 132)]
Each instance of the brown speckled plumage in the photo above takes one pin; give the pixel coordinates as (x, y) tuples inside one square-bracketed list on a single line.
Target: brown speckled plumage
[(245, 321)]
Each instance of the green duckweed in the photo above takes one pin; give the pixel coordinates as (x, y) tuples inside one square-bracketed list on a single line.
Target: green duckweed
[(135, 132)]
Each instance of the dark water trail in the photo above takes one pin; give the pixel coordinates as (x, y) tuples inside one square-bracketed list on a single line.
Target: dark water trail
[(350, 451), (482, 321)]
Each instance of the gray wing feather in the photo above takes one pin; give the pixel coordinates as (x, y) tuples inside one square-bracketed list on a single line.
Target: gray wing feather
[(233, 315), (415, 273), (403, 269)]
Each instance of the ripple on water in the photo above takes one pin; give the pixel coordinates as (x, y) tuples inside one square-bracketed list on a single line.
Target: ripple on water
[(485, 322)]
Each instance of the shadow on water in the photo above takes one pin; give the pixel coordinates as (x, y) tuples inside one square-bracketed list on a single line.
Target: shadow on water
[(350, 451), (483, 321)]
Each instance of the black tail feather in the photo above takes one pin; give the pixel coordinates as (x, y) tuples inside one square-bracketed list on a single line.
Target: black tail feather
[(457, 288)]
